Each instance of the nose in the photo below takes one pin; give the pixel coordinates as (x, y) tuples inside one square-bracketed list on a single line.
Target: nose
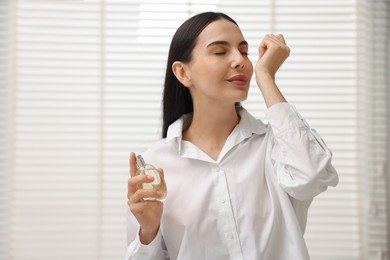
[(238, 60)]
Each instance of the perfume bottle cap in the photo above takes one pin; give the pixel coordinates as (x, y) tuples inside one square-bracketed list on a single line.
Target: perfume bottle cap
[(140, 161)]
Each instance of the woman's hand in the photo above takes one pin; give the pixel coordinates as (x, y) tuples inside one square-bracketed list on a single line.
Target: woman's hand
[(273, 51), (147, 212)]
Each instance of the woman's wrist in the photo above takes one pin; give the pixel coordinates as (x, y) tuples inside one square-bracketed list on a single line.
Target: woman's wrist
[(269, 89), (146, 237), (265, 79)]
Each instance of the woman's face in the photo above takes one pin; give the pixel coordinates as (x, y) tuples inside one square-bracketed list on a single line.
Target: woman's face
[(220, 70)]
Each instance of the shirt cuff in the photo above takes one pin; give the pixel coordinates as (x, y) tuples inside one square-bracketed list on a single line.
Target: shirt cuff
[(145, 251), (283, 117)]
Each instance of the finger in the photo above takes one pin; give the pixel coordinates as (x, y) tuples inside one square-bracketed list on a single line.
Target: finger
[(161, 171), (135, 183), (135, 198), (133, 165), (267, 43), (275, 40), (263, 47), (146, 203), (281, 38), (141, 194), (138, 208), (283, 44), (270, 42)]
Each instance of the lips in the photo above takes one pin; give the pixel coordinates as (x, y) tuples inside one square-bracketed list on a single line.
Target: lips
[(238, 79)]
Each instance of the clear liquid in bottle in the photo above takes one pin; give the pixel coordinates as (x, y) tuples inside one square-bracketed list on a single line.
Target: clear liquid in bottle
[(158, 183)]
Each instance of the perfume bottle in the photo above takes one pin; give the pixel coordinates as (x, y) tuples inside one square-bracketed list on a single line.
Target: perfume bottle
[(158, 183)]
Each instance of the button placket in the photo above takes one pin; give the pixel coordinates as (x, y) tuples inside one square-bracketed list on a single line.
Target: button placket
[(226, 216)]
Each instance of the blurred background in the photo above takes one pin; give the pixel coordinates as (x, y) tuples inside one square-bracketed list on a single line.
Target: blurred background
[(81, 86)]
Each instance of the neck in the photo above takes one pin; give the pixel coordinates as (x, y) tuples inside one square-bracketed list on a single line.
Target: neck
[(210, 128)]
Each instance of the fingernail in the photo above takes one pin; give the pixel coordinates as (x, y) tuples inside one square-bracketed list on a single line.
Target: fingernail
[(160, 194), (149, 178)]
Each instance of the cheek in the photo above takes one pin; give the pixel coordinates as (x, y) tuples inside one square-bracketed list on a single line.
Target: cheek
[(214, 71), (249, 67)]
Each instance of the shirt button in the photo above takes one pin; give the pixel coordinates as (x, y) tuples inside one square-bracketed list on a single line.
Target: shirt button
[(223, 201), (215, 169), (230, 235)]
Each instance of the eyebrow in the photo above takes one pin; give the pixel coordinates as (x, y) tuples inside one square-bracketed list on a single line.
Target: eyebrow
[(225, 43)]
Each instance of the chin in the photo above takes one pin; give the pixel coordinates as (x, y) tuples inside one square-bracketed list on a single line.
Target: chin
[(242, 97)]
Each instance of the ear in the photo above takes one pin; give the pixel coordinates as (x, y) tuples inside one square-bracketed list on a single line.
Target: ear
[(180, 70)]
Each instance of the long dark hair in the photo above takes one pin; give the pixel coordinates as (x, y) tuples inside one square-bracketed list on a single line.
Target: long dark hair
[(177, 99)]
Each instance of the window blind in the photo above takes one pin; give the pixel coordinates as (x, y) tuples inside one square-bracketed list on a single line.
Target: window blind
[(4, 121), (87, 80), (372, 126), (57, 158)]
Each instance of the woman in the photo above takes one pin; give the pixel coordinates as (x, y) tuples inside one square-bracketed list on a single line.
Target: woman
[(237, 188)]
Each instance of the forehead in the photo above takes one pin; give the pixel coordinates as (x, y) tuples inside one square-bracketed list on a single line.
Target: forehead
[(220, 30)]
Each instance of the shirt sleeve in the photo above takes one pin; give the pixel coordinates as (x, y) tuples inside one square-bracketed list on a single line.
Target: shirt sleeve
[(138, 251), (301, 159)]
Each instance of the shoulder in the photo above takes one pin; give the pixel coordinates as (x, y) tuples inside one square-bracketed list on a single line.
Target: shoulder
[(160, 149), (157, 146)]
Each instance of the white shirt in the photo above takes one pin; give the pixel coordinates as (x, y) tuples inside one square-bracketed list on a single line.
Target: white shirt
[(251, 203)]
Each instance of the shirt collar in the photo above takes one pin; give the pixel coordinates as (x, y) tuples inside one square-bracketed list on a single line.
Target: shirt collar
[(247, 126), (175, 130)]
